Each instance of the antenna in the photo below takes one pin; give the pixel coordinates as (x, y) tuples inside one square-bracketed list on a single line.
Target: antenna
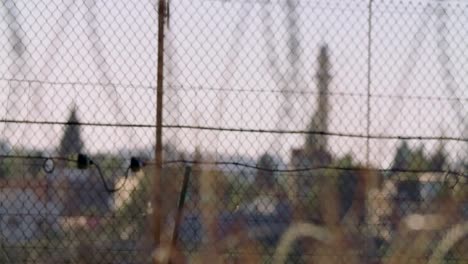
[(16, 91), (443, 58), (447, 65), (228, 65), (286, 80)]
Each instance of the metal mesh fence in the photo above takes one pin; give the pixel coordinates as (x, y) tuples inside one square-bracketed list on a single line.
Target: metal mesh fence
[(310, 131)]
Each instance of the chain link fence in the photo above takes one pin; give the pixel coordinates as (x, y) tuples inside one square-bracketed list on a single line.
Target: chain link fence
[(310, 131)]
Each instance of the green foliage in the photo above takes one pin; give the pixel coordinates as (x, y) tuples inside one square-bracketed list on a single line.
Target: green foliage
[(408, 159), (267, 161), (439, 159), (34, 166), (402, 156), (133, 214), (265, 178), (238, 193), (418, 160), (16, 166), (10, 168)]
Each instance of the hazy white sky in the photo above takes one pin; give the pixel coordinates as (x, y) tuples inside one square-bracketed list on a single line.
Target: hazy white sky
[(220, 75)]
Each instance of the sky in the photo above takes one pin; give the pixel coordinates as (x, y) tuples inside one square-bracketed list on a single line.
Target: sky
[(218, 74)]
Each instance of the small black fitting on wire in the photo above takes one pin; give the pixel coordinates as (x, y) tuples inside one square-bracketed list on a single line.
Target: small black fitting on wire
[(84, 161), (136, 164)]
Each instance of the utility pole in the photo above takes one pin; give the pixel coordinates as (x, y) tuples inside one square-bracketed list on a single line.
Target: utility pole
[(157, 202)]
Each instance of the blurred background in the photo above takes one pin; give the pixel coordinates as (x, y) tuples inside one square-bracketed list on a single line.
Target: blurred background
[(350, 116)]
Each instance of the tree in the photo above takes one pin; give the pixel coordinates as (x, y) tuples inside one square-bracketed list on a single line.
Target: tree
[(265, 175), (402, 157), (347, 183), (13, 167), (419, 161), (408, 188), (439, 158)]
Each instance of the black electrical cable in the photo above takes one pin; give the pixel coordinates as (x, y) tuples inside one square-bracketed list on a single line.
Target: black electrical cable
[(306, 169), (104, 182), (451, 176), (108, 188), (83, 162), (137, 164)]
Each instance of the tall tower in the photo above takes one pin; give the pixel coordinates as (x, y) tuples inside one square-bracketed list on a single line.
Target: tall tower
[(315, 151), (71, 142), (318, 142)]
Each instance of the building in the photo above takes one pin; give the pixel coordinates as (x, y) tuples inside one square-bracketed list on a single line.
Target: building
[(77, 192)]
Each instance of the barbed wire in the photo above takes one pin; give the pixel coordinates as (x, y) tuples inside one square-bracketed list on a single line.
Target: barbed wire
[(76, 83), (187, 87), (325, 133), (242, 130), (346, 6)]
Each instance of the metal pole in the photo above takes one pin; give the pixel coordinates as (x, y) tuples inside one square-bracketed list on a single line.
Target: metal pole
[(180, 208), (157, 202), (369, 245)]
